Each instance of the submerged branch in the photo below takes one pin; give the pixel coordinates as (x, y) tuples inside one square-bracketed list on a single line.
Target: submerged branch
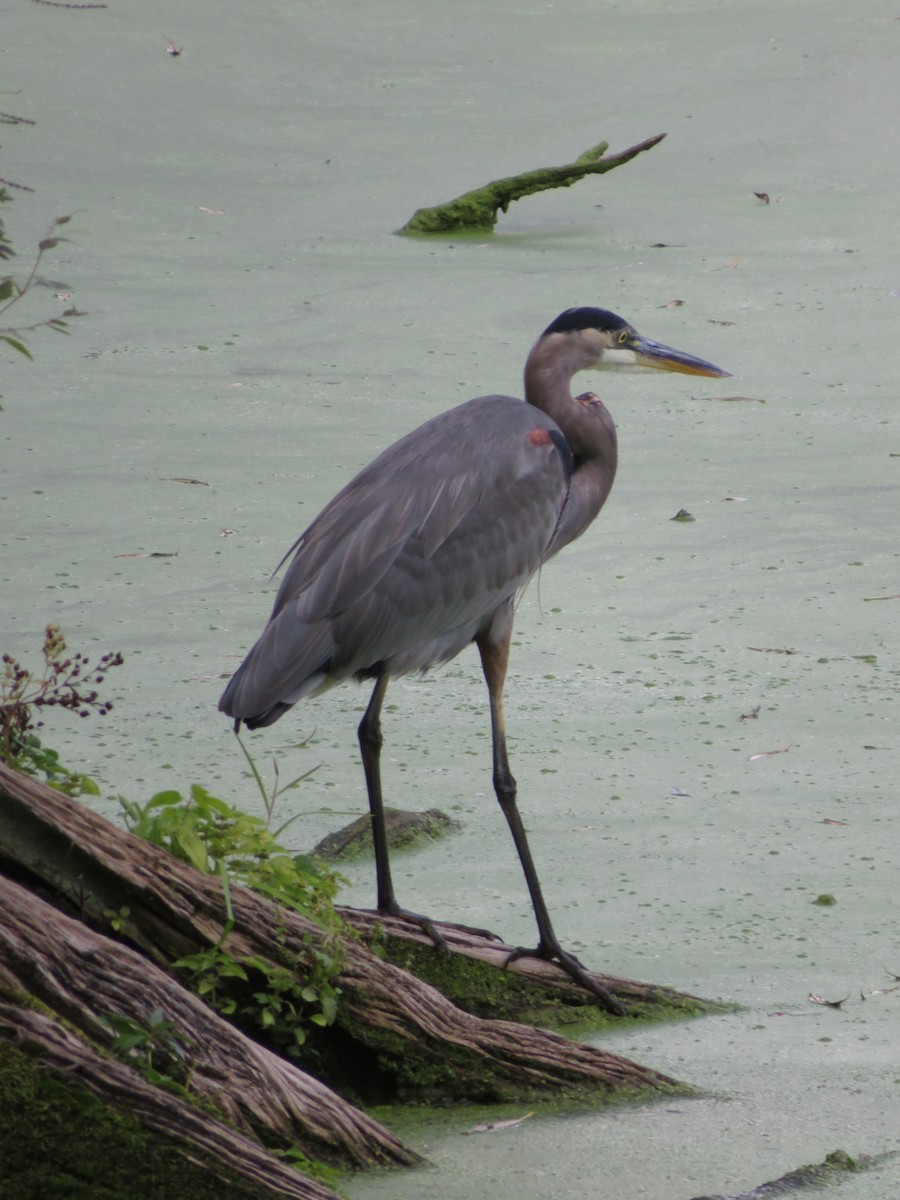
[(834, 1169), (476, 211)]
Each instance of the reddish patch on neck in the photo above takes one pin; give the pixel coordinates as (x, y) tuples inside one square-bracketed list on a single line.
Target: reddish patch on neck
[(539, 437), (587, 398)]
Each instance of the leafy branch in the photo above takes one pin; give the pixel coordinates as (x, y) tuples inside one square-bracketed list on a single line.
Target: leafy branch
[(12, 292)]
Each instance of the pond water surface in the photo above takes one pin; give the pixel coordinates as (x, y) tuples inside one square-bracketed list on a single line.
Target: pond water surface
[(254, 325)]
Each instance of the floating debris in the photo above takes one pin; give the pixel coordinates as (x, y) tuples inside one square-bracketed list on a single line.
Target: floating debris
[(729, 266), (150, 554), (476, 211), (878, 992), (496, 1126), (770, 753), (814, 999)]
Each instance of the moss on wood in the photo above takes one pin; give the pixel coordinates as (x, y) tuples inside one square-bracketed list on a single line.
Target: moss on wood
[(480, 988), (405, 830), (834, 1169), (477, 211), (58, 1140)]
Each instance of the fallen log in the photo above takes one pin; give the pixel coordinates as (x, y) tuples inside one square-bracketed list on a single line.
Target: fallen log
[(132, 910), (86, 978), (206, 1151), (528, 989)]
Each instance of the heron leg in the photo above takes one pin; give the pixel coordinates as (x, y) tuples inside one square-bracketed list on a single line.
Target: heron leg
[(494, 660), (370, 743)]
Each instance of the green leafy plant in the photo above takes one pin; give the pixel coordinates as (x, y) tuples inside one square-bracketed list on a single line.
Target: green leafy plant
[(118, 920), (64, 682), (211, 834), (281, 1000), (309, 1166), (149, 1046)]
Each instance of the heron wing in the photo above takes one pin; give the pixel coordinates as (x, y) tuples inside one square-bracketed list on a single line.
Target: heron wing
[(424, 544)]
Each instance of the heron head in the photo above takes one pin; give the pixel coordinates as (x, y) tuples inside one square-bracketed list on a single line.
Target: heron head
[(608, 342)]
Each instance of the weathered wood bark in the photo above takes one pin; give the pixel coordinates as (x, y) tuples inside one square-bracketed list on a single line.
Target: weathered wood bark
[(83, 976), (201, 1139), (391, 1025), (476, 211)]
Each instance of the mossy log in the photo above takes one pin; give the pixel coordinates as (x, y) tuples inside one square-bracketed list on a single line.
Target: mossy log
[(832, 1170), (77, 1123), (132, 910), (81, 976), (478, 975), (477, 211)]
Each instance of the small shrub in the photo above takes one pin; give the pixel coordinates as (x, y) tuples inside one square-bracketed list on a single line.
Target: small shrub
[(64, 682)]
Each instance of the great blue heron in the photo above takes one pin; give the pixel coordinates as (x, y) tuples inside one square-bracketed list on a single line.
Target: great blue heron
[(427, 549)]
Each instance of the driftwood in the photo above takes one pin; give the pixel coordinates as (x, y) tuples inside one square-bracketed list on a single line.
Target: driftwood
[(832, 1170), (476, 211), (400, 1035)]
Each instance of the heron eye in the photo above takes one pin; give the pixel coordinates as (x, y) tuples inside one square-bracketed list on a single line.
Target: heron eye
[(623, 337)]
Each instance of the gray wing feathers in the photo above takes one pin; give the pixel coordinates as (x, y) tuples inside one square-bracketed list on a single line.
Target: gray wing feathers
[(412, 557)]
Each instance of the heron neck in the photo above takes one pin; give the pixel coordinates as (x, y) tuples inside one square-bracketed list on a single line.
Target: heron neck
[(548, 379), (588, 428)]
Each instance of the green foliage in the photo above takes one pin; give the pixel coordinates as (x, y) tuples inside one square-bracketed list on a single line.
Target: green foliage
[(211, 834), (279, 1001), (150, 1045), (118, 920), (209, 970), (63, 682), (310, 1166)]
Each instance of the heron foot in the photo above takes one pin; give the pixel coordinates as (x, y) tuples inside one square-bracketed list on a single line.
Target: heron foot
[(429, 926), (424, 923), (575, 970), (473, 931)]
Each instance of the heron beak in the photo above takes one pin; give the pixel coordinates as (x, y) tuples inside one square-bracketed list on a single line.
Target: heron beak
[(648, 353)]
